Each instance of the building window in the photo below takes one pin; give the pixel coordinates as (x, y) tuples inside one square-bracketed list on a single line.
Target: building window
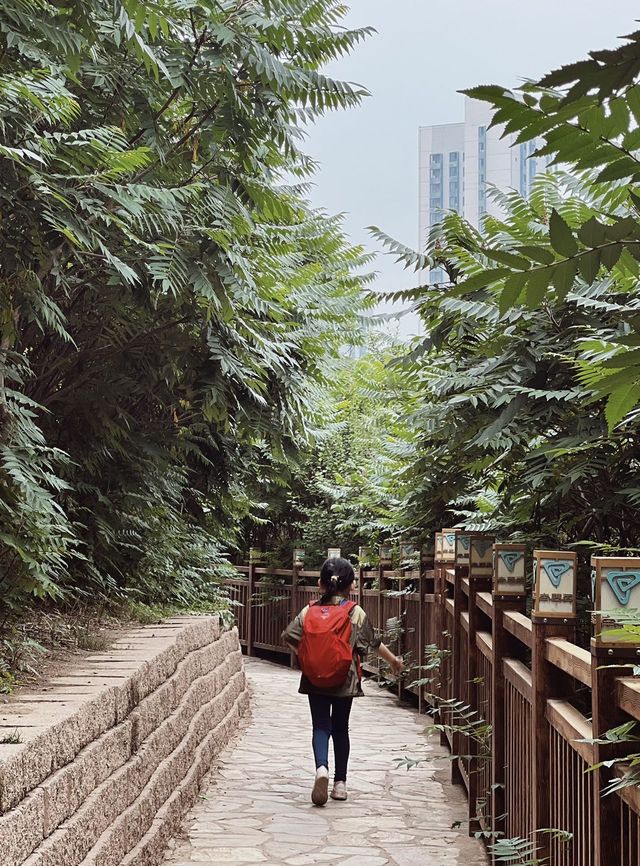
[(524, 186), (482, 170)]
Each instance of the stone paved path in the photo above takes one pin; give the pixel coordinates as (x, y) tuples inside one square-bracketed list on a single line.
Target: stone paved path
[(256, 808)]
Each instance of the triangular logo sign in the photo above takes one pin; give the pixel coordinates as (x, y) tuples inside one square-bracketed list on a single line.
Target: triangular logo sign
[(510, 559), (464, 541), (450, 538), (482, 547), (622, 582), (556, 570)]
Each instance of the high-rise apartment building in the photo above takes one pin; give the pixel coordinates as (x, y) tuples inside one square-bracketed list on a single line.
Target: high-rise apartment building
[(459, 162)]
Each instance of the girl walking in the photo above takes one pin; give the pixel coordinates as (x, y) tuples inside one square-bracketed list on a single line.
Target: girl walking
[(330, 637)]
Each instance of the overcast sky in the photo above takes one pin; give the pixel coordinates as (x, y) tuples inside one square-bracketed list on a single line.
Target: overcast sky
[(424, 52)]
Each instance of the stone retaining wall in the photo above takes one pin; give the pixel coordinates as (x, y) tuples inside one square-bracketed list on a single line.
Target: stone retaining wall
[(111, 755)]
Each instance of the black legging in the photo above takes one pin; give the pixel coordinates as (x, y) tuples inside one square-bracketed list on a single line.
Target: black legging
[(330, 718)]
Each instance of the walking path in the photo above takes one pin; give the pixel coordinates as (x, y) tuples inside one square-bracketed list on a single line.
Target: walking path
[(256, 806)]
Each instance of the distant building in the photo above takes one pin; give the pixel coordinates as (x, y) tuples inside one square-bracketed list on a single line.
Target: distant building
[(458, 162)]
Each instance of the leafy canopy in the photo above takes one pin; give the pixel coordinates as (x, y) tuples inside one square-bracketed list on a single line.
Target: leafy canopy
[(168, 298)]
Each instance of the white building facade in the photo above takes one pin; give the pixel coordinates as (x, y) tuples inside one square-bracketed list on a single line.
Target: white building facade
[(459, 162)]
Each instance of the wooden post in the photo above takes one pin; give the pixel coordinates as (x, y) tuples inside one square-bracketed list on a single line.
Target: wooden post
[(509, 594), (458, 642), (554, 615), (385, 561), (438, 616), (420, 640), (616, 583), (294, 601), (250, 589), (480, 575)]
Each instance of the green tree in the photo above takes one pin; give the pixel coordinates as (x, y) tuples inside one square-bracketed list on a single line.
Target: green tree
[(168, 299), (346, 490)]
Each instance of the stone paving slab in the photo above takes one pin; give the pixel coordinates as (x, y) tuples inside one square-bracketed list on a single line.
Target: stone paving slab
[(256, 808)]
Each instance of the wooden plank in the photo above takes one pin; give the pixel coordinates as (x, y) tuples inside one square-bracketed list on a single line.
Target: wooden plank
[(485, 603), (519, 626), (628, 696), (569, 658), (464, 620), (465, 585), (274, 648), (243, 569), (484, 642), (572, 727), (250, 611), (464, 775), (276, 572), (449, 605), (313, 574), (429, 597), (519, 676)]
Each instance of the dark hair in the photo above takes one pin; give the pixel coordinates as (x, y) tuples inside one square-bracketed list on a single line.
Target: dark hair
[(336, 575)]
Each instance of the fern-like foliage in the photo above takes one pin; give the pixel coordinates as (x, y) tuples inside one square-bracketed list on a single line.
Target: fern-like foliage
[(168, 304)]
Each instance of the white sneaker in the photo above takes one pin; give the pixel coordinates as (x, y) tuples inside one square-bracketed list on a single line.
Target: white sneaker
[(339, 791), (319, 795)]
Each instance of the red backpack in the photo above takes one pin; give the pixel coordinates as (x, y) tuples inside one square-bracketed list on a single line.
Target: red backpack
[(325, 653)]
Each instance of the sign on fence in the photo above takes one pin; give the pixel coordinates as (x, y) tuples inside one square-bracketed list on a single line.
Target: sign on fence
[(463, 548), (385, 556), (554, 576), (616, 588), (509, 572), (449, 545)]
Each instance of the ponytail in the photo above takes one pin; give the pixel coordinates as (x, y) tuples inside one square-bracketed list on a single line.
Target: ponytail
[(336, 576)]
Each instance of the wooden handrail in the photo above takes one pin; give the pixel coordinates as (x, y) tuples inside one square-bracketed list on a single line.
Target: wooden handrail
[(572, 726), (519, 676), (628, 696), (519, 626), (485, 603), (484, 642), (569, 658)]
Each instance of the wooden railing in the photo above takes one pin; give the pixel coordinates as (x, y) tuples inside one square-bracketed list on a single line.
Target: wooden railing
[(540, 694)]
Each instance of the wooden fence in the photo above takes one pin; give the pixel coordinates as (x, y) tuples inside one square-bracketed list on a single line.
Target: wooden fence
[(534, 694)]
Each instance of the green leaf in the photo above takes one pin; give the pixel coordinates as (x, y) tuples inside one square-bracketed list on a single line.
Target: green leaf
[(537, 284), (623, 360), (624, 228), (561, 236), (538, 254), (621, 168), (563, 276), (507, 258), (589, 265), (621, 401), (609, 255), (512, 290), (480, 281)]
